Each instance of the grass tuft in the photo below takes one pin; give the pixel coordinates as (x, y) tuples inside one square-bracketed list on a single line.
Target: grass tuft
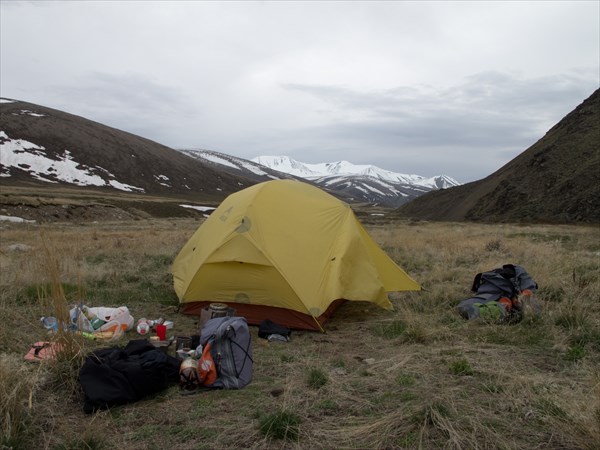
[(281, 425), (461, 367), (17, 385), (317, 378)]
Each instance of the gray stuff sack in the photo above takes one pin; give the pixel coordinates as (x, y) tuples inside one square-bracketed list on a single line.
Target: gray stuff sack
[(231, 350)]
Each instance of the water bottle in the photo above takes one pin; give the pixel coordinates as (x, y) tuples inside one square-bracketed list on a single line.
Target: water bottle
[(50, 323), (142, 327)]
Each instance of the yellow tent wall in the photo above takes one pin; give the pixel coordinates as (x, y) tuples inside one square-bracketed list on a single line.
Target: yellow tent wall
[(287, 251)]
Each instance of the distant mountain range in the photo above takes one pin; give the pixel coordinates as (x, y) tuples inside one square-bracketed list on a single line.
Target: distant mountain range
[(556, 180), (347, 169), (44, 146), (354, 183)]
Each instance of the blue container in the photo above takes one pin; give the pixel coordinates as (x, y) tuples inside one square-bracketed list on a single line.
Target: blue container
[(50, 323)]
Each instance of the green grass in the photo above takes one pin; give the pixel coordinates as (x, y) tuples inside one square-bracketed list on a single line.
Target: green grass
[(405, 379), (417, 376), (281, 425), (389, 330), (316, 379), (31, 294), (575, 353), (461, 367), (87, 443)]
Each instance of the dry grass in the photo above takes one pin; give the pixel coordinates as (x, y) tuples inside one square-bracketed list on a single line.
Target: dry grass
[(418, 377)]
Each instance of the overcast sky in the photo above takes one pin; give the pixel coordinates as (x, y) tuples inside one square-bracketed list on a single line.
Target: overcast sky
[(427, 88)]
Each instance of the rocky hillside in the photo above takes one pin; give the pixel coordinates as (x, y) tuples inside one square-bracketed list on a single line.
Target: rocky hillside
[(43, 146), (556, 180)]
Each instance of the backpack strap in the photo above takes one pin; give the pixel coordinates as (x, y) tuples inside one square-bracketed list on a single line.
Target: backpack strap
[(245, 350), (476, 282)]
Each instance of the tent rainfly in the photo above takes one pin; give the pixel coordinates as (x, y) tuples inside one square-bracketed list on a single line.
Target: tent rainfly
[(287, 251)]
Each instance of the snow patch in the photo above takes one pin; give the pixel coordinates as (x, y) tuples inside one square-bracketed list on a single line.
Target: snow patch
[(253, 168), (162, 180), (198, 208), (216, 159), (26, 112), (15, 219), (32, 158)]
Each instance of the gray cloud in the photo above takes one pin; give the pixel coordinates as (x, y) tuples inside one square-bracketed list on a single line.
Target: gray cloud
[(491, 114), (130, 102), (458, 88)]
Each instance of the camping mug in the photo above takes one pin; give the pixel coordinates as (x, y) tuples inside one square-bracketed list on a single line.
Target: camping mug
[(161, 332)]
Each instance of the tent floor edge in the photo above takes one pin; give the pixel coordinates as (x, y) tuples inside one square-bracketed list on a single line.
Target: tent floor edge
[(255, 314)]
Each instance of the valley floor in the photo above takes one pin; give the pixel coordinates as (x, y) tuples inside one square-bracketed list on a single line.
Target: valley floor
[(416, 377)]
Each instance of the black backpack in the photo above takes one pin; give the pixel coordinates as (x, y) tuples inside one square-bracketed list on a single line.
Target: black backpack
[(115, 376), (508, 280)]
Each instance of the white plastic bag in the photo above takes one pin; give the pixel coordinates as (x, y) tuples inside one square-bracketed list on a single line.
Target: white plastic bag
[(116, 319)]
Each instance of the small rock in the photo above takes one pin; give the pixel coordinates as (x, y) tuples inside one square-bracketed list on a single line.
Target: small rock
[(369, 361), (277, 392), (19, 248)]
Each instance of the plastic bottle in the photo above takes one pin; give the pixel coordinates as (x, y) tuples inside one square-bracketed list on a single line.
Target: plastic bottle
[(90, 336), (143, 327), (50, 323)]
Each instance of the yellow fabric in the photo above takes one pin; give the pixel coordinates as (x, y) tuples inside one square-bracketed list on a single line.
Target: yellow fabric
[(287, 244)]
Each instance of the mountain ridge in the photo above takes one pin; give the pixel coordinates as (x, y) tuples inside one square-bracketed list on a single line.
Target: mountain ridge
[(41, 145), (351, 183), (556, 180), (320, 170)]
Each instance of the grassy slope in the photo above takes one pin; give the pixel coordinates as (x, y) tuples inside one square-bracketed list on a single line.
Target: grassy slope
[(418, 377), (556, 180)]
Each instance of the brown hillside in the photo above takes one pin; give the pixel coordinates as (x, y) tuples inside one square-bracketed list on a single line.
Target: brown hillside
[(556, 180), (131, 159)]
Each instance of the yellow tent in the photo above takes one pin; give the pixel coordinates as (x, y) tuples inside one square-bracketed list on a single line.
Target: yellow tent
[(287, 251)]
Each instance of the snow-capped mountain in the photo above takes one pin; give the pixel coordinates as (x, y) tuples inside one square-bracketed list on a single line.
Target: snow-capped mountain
[(345, 168), (351, 182), (367, 183)]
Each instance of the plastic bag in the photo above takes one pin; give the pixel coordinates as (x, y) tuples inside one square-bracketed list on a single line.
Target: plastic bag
[(114, 319)]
